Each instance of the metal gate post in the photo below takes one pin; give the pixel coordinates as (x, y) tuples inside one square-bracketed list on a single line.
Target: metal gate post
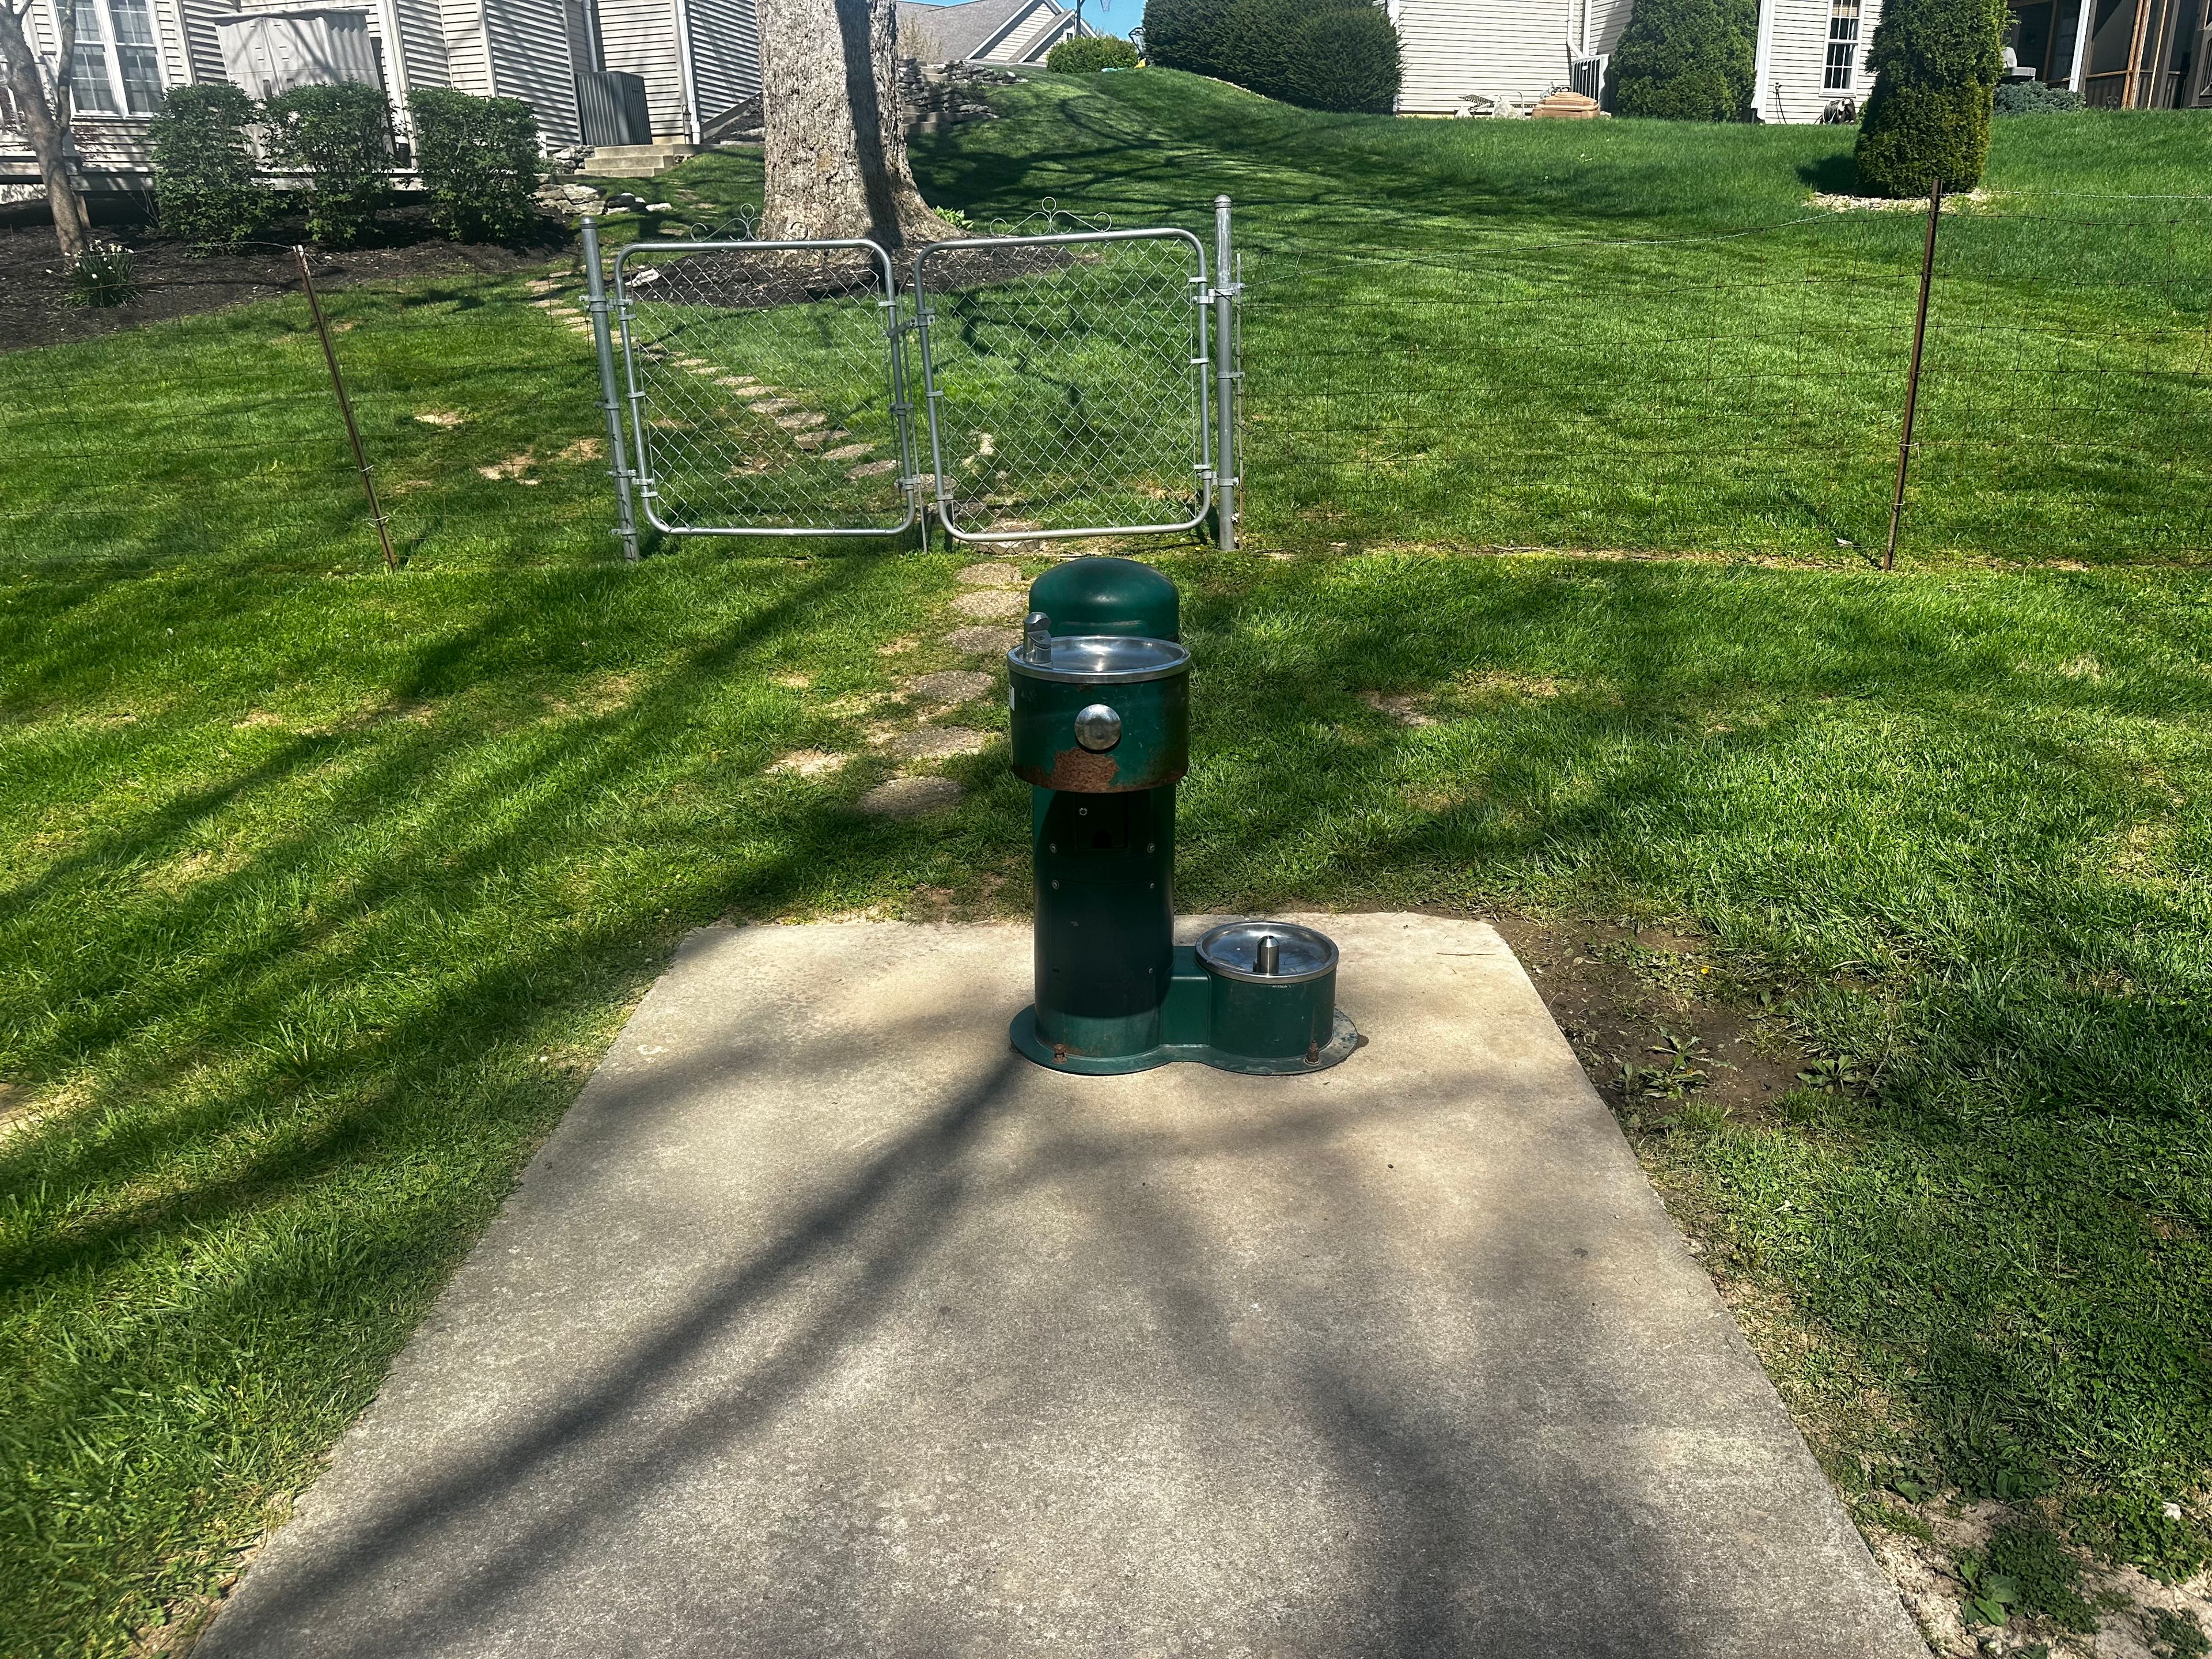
[(1226, 480), (618, 456)]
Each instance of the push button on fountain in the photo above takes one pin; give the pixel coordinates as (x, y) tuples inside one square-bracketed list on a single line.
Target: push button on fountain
[(1097, 728)]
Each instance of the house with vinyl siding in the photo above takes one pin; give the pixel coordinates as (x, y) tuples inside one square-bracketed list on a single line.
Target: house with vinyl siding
[(985, 30), (595, 72), (1499, 57)]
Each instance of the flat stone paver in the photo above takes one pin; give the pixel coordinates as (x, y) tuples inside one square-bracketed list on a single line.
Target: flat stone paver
[(825, 1324)]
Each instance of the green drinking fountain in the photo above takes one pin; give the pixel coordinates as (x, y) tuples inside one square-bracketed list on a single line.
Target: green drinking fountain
[(1100, 699)]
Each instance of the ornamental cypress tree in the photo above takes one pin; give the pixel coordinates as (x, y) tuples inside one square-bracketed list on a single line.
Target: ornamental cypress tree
[(1687, 60), (1937, 64)]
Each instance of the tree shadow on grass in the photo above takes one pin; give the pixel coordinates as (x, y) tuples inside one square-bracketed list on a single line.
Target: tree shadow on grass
[(408, 909)]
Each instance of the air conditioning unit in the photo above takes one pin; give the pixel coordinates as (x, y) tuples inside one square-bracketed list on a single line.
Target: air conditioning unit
[(270, 52)]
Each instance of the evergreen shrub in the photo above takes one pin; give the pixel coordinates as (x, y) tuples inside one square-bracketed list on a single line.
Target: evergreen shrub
[(1935, 64), (480, 163), (1322, 54), (2034, 98), (1188, 35), (1087, 54), (207, 187), (1687, 60)]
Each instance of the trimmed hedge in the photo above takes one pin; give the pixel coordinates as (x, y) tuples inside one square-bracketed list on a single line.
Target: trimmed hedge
[(1937, 64), (1322, 54), (1087, 54), (480, 163), (341, 138), (205, 184), (1687, 60)]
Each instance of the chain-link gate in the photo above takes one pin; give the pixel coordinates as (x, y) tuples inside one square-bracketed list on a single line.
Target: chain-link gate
[(1068, 384), (766, 387)]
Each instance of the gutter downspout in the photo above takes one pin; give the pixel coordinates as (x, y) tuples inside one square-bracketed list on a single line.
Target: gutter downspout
[(1762, 60), (2081, 44), (687, 72)]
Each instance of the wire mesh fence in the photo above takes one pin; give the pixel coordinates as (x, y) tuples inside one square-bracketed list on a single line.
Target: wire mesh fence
[(767, 384), (1730, 392), (1067, 383), (1742, 392), (216, 433)]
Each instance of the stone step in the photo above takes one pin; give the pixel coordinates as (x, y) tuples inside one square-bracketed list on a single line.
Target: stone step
[(636, 161)]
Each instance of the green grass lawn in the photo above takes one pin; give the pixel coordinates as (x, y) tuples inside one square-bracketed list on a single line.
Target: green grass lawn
[(321, 889), (1611, 334)]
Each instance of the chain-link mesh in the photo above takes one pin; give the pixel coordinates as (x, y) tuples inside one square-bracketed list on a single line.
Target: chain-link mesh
[(1067, 380), (766, 381)]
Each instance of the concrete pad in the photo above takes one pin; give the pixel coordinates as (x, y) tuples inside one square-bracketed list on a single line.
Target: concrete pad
[(825, 1324)]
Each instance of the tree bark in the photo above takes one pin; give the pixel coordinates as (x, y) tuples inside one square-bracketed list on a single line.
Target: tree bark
[(46, 122), (836, 147)]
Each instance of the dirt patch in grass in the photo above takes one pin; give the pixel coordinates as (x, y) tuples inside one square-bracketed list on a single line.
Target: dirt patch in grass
[(1658, 1030), (180, 280)]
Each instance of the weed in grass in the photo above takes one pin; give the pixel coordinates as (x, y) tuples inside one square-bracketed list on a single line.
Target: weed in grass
[(2044, 1574), (2174, 1635)]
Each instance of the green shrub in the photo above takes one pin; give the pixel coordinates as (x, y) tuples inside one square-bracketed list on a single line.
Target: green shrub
[(479, 161), (2034, 98), (205, 183), (1323, 54), (1935, 64), (1687, 60), (1087, 54), (340, 137), (1188, 35)]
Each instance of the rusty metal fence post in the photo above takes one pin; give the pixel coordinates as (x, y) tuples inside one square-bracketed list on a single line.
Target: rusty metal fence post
[(1912, 375), (345, 409)]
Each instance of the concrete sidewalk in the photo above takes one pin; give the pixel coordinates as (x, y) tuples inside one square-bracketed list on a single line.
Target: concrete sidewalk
[(826, 1325)]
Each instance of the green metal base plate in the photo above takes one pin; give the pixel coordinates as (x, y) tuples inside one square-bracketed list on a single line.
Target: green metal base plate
[(1343, 1039)]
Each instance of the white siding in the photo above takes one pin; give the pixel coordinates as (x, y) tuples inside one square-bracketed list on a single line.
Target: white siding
[(1797, 58), (1602, 23), (530, 61), (467, 67), (725, 65), (639, 38), (1507, 50), (1017, 43)]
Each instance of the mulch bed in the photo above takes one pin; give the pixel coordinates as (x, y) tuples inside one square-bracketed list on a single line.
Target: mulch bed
[(181, 280)]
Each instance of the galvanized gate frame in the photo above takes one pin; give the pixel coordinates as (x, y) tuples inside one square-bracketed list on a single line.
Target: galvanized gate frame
[(1217, 372), (1203, 297), (616, 314)]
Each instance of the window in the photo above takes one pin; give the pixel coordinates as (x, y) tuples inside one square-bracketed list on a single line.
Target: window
[(117, 67), (1843, 43)]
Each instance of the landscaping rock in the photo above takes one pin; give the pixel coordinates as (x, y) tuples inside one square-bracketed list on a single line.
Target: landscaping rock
[(909, 798), (983, 641), (993, 602), (992, 575), (936, 742), (950, 685)]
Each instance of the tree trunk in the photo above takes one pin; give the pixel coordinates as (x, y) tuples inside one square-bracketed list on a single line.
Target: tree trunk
[(46, 124), (836, 148)]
